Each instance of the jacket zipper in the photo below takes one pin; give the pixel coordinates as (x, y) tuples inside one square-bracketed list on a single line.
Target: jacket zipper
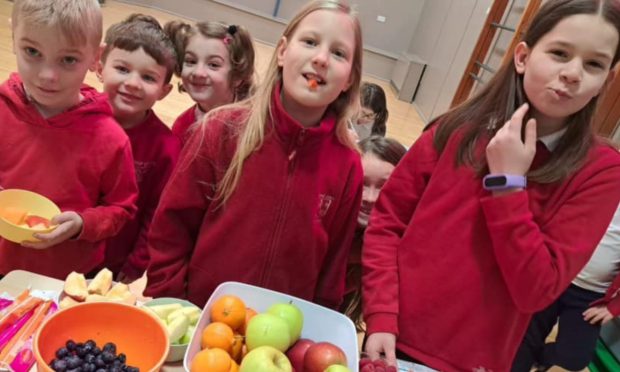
[(292, 162)]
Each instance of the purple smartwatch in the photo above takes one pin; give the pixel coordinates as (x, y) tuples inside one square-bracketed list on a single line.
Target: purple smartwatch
[(495, 182)]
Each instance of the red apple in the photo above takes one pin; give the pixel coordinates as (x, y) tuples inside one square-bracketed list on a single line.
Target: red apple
[(297, 352), (322, 355)]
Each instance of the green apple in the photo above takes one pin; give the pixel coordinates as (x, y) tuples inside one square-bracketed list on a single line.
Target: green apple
[(267, 330), (187, 337), (163, 311), (293, 317), (337, 368), (177, 328), (265, 359)]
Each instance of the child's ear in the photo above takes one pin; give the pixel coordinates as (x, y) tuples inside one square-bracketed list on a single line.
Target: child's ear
[(613, 73), (99, 71), (166, 89), (281, 50), (521, 55), (97, 61)]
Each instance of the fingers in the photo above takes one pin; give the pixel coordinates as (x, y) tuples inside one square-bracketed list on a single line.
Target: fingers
[(516, 120), (373, 351), (390, 355)]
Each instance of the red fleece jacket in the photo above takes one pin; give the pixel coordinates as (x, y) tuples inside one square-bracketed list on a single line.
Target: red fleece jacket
[(457, 272), (287, 227), (80, 159)]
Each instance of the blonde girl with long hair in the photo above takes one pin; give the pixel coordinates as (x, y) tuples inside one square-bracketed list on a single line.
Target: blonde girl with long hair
[(267, 190)]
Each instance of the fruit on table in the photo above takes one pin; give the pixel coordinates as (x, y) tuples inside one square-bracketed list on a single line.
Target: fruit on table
[(179, 321), (229, 310), (213, 360), (268, 330), (37, 222), (322, 355), (75, 286), (297, 352), (293, 317), (78, 291), (265, 359), (217, 335), (337, 368), (88, 357), (101, 283), (377, 365)]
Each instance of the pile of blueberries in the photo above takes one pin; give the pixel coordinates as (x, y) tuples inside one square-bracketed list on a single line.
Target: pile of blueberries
[(88, 357)]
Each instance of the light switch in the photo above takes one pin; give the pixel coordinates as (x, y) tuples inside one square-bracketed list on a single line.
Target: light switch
[(381, 18)]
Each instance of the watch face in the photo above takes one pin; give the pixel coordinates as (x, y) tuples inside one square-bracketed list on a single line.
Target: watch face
[(495, 181)]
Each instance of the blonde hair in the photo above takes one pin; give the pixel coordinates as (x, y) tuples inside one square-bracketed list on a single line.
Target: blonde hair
[(259, 105), (79, 21)]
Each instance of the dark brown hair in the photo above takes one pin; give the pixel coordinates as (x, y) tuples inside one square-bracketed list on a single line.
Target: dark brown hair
[(480, 117), (386, 149), (240, 51), (142, 31), (373, 97)]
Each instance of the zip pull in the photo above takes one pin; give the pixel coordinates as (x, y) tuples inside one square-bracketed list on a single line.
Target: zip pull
[(291, 156)]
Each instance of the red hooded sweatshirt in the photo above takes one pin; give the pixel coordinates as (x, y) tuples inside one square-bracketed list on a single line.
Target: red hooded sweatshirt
[(81, 160), (288, 226), (457, 272)]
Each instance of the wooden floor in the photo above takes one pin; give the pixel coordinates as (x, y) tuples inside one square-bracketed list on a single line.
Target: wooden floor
[(404, 124)]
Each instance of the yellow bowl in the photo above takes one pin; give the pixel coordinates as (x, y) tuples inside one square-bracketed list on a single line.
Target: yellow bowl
[(30, 202)]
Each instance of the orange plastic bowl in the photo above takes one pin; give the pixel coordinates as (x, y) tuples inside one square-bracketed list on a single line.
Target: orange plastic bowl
[(136, 333)]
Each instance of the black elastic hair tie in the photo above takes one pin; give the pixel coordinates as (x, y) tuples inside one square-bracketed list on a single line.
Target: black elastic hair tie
[(232, 30)]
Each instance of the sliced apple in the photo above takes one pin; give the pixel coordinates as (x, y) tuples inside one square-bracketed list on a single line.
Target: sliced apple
[(101, 283), (75, 286), (177, 328), (163, 311)]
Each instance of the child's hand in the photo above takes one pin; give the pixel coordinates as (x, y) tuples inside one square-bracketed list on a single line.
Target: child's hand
[(597, 314), (506, 152), (69, 225), (382, 342)]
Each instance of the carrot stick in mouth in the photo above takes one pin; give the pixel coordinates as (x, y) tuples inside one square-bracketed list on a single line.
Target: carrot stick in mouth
[(313, 84)]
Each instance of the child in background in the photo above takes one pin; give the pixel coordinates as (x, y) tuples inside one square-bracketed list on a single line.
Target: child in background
[(589, 302), (379, 157), (267, 190), (216, 66), (59, 138), (374, 113), (461, 250), (137, 63)]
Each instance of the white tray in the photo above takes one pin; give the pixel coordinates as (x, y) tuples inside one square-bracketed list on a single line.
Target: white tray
[(320, 323)]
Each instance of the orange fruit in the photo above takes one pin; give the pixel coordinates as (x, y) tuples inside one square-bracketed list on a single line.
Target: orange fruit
[(211, 360), (229, 310), (249, 313), (234, 367), (237, 348), (217, 335)]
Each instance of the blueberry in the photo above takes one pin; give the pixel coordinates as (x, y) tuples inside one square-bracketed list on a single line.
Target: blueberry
[(78, 369), (122, 357), (108, 357), (89, 358), (133, 369), (81, 351), (88, 348), (59, 365), (71, 345), (115, 369), (111, 347), (89, 367), (62, 352), (99, 362), (96, 351), (73, 362), (101, 370), (90, 343)]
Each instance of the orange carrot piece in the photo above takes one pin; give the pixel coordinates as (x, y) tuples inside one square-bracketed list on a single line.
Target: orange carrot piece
[(12, 348), (10, 317), (313, 84)]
